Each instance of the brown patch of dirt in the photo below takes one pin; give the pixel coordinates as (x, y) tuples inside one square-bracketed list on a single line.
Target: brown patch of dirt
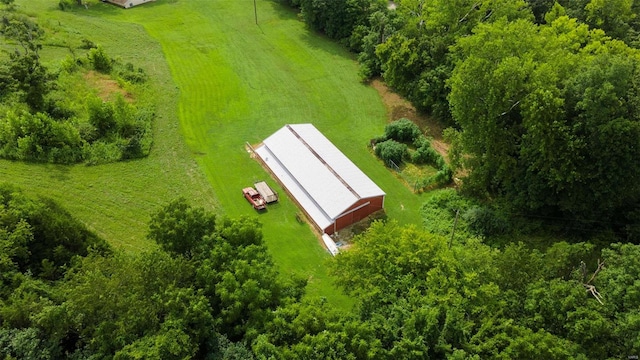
[(106, 86), (398, 107)]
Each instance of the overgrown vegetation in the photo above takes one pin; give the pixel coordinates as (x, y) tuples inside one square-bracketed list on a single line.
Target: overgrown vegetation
[(211, 291), (65, 294), (208, 291), (393, 148), (57, 117), (542, 95)]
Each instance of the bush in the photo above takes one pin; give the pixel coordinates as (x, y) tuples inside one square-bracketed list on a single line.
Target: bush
[(425, 154), (100, 60), (391, 150), (403, 130), (102, 153), (70, 64), (377, 140), (439, 212), (131, 74), (39, 138), (88, 44), (65, 4), (63, 125), (102, 117), (485, 221), (58, 108), (443, 176)]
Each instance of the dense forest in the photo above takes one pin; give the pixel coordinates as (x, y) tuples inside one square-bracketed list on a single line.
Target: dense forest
[(211, 291), (542, 102), (542, 97)]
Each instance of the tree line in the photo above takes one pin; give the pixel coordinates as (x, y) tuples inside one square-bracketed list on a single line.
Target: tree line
[(210, 290), (542, 96)]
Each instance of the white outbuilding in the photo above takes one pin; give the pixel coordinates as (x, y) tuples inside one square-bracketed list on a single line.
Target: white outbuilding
[(127, 3), (328, 187)]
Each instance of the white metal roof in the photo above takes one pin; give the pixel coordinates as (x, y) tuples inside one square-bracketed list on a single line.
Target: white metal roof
[(320, 177)]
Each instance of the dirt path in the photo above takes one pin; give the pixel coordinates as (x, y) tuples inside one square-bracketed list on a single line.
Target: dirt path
[(398, 107)]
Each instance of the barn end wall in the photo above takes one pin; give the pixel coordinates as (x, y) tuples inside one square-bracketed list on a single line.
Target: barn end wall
[(358, 211)]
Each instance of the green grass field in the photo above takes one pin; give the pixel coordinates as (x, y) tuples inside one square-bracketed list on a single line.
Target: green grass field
[(221, 81)]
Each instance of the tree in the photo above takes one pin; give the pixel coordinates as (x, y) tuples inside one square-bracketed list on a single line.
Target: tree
[(134, 307), (540, 8), (39, 236), (364, 39), (612, 16), (416, 61), (421, 299), (240, 280), (24, 344), (29, 76), (338, 18), (535, 129), (180, 228)]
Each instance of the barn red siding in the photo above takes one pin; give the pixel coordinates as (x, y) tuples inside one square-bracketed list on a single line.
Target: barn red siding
[(353, 216)]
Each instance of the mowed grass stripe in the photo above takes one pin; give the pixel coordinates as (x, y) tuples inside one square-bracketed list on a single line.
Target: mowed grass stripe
[(116, 200), (233, 82), (225, 103), (240, 82)]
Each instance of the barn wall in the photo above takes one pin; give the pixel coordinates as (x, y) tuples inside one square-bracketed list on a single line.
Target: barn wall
[(374, 204), (138, 2)]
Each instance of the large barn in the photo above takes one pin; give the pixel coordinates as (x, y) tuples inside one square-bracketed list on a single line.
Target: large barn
[(128, 3), (332, 191)]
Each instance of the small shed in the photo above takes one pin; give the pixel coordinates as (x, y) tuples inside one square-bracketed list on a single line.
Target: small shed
[(328, 187), (266, 191), (127, 3)]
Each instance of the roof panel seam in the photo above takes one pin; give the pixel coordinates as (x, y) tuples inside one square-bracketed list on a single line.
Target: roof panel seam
[(335, 173), (285, 169)]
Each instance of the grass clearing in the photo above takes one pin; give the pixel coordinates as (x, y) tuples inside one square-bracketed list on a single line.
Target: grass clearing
[(116, 200), (230, 82)]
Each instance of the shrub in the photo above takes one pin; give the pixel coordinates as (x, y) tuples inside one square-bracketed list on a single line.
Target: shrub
[(102, 117), (425, 154), (70, 64), (377, 140), (131, 74), (391, 150), (58, 108), (439, 212), (100, 60), (39, 138), (485, 221), (102, 153), (443, 176), (65, 4), (88, 44), (403, 130)]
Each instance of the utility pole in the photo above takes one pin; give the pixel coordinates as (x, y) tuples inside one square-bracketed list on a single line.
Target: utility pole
[(453, 231), (255, 11)]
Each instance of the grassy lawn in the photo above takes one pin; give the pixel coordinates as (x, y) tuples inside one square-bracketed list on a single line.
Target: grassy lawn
[(221, 81), (116, 200)]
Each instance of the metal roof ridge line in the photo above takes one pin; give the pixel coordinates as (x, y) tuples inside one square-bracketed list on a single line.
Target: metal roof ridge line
[(343, 181), (295, 179)]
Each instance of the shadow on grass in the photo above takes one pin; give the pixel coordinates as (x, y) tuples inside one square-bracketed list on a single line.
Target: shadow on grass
[(314, 39)]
